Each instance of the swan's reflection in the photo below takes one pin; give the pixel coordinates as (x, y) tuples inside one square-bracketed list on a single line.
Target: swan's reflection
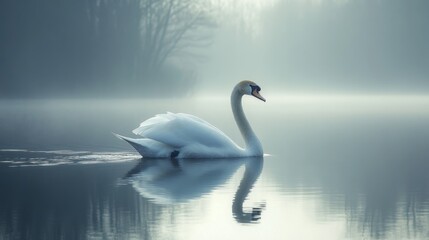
[(251, 174), (172, 181)]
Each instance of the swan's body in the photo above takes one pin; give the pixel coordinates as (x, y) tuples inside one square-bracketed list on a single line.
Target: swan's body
[(186, 136)]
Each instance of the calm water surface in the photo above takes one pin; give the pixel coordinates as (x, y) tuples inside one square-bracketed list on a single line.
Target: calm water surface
[(339, 167)]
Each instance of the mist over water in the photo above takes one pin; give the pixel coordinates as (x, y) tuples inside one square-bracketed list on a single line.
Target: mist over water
[(120, 49)]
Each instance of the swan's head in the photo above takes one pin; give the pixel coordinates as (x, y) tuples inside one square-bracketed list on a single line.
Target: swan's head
[(250, 88)]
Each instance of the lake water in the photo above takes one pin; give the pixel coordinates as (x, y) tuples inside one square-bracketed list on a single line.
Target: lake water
[(339, 167)]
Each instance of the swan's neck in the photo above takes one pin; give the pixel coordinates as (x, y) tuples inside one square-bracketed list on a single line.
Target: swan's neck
[(253, 145)]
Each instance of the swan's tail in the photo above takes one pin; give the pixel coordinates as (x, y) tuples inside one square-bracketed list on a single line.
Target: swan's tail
[(132, 142), (148, 147)]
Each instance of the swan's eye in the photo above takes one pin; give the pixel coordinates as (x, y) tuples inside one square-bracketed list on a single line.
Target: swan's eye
[(257, 88)]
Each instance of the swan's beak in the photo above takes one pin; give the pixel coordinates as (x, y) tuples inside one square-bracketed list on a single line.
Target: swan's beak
[(257, 95)]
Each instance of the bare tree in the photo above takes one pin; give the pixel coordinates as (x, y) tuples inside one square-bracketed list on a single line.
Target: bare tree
[(169, 27)]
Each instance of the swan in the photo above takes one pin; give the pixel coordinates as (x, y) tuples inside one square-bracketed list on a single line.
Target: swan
[(181, 135)]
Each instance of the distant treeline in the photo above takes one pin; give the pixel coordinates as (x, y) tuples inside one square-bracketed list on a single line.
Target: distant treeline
[(98, 47)]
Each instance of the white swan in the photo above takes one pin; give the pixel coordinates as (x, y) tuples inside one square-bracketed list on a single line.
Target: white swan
[(182, 135)]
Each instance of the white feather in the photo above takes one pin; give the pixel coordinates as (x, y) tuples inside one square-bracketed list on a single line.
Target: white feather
[(179, 130)]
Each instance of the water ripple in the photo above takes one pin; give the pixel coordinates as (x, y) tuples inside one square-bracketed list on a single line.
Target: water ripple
[(27, 158)]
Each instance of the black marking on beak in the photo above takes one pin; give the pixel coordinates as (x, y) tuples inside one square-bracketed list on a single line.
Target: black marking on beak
[(257, 88), (255, 92)]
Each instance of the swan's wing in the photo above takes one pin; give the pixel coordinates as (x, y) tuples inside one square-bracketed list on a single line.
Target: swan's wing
[(180, 129)]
